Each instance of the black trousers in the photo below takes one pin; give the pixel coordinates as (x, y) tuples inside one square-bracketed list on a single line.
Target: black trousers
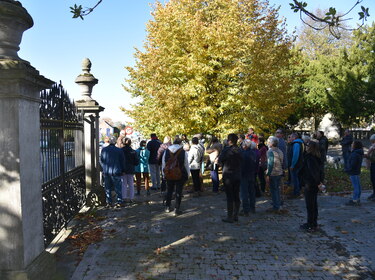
[(311, 199), (262, 178), (232, 190), (196, 179), (171, 187)]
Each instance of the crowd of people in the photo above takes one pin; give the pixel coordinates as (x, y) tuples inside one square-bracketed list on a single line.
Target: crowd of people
[(250, 164)]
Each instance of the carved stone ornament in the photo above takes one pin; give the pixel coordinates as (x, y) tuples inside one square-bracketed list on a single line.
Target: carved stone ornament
[(14, 20)]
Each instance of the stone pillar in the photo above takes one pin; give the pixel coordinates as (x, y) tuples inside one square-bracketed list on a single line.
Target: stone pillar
[(22, 254), (90, 110)]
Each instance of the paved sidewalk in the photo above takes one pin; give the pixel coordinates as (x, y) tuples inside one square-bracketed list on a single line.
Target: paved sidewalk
[(143, 242)]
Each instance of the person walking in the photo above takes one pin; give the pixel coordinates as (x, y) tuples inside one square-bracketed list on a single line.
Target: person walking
[(141, 170), (313, 178), (274, 172), (230, 160), (195, 159), (249, 167), (213, 152), (354, 170), (370, 156), (154, 167), (112, 161), (131, 161), (175, 168), (346, 143)]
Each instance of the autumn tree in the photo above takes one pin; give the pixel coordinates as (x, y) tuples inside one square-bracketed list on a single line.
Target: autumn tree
[(319, 52), (352, 94), (213, 66)]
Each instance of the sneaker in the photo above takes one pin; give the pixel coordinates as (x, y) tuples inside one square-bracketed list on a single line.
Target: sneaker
[(108, 205), (353, 203), (304, 226), (118, 205), (177, 212), (228, 220), (308, 228), (273, 210), (243, 214), (168, 209)]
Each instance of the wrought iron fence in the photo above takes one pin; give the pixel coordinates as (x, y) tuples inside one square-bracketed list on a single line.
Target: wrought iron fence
[(62, 159)]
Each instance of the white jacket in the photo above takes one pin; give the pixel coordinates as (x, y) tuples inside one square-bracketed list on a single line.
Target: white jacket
[(195, 157)]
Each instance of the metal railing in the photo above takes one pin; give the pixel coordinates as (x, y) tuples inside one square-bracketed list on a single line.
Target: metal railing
[(62, 160)]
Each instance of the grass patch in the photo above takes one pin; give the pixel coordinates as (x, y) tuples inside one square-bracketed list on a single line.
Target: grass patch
[(339, 181)]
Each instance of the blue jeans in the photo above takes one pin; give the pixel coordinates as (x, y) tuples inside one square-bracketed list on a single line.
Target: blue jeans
[(155, 175), (215, 178), (295, 181), (275, 191), (110, 183), (356, 187), (247, 189)]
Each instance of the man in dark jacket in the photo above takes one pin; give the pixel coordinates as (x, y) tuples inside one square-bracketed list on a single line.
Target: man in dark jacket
[(112, 161), (153, 146), (346, 143), (230, 160)]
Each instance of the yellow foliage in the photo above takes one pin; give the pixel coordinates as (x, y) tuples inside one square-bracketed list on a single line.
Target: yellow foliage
[(213, 66)]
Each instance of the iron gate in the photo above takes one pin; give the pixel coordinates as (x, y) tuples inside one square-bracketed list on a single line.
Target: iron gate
[(62, 160)]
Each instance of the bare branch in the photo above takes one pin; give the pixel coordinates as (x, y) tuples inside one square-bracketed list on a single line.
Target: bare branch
[(331, 20), (79, 12)]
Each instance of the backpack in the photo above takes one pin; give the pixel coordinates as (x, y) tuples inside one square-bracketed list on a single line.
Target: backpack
[(172, 170)]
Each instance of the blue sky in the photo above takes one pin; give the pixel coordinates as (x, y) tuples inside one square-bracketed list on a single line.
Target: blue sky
[(57, 44)]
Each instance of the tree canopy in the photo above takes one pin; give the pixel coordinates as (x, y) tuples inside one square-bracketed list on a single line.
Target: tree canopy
[(337, 76), (213, 67)]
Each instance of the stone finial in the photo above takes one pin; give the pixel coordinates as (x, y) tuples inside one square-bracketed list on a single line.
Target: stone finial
[(86, 80), (86, 66), (14, 20)]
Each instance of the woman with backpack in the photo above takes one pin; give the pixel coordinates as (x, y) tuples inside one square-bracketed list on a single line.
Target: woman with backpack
[(175, 167), (312, 177), (370, 156)]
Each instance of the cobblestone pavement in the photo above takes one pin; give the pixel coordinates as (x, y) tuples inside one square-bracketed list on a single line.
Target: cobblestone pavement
[(143, 242)]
